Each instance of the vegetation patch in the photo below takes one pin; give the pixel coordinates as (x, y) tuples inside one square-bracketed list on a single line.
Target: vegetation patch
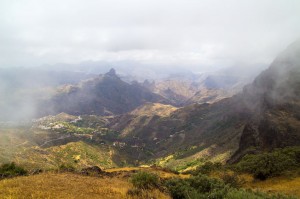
[(198, 186), (189, 164), (202, 187), (188, 152), (70, 185), (263, 166), (207, 168), (65, 127), (11, 170), (145, 180)]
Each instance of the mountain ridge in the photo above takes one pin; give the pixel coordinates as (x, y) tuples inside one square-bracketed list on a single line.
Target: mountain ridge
[(264, 116), (104, 95)]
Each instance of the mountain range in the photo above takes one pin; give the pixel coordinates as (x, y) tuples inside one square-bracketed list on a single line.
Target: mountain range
[(160, 122), (104, 95), (264, 116)]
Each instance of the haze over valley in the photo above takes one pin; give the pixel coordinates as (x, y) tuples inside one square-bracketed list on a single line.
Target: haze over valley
[(153, 99)]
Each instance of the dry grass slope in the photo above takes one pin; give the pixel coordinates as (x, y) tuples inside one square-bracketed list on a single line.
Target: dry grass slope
[(290, 186), (69, 186), (151, 109), (160, 172), (85, 155), (282, 184)]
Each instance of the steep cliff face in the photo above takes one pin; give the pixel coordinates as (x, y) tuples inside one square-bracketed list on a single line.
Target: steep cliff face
[(273, 100)]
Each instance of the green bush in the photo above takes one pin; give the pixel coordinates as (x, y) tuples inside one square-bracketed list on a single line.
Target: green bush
[(249, 194), (11, 170), (205, 184), (233, 180), (266, 165), (200, 186), (144, 180), (178, 188), (207, 168)]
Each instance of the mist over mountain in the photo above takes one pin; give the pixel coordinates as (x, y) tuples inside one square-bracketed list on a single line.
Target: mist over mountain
[(22, 88), (187, 88), (26, 89), (150, 99), (273, 100), (104, 95), (264, 116)]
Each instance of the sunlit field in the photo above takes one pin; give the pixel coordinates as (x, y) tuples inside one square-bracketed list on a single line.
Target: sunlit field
[(68, 185)]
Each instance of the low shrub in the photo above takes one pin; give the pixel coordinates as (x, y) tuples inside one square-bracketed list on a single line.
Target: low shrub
[(232, 179), (203, 187), (178, 188), (199, 186), (145, 180), (242, 193), (207, 168), (266, 165), (205, 184), (11, 170)]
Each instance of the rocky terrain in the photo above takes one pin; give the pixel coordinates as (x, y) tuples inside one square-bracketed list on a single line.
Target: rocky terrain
[(264, 116)]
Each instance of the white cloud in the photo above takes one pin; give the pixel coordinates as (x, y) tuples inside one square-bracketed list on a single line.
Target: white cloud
[(193, 33)]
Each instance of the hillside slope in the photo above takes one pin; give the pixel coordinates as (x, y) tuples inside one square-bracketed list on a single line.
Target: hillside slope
[(273, 100), (262, 117), (187, 88)]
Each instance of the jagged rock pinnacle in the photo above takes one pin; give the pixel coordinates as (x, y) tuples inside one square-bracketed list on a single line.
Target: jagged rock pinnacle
[(111, 73)]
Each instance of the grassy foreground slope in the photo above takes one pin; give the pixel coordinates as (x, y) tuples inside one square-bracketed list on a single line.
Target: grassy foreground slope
[(68, 185), (132, 182), (290, 186)]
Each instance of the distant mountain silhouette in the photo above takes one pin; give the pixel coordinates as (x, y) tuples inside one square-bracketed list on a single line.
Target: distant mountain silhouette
[(104, 95)]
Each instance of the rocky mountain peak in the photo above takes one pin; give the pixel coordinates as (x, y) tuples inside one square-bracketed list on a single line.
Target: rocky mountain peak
[(111, 73)]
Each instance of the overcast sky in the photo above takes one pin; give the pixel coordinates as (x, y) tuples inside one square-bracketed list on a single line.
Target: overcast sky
[(191, 33)]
